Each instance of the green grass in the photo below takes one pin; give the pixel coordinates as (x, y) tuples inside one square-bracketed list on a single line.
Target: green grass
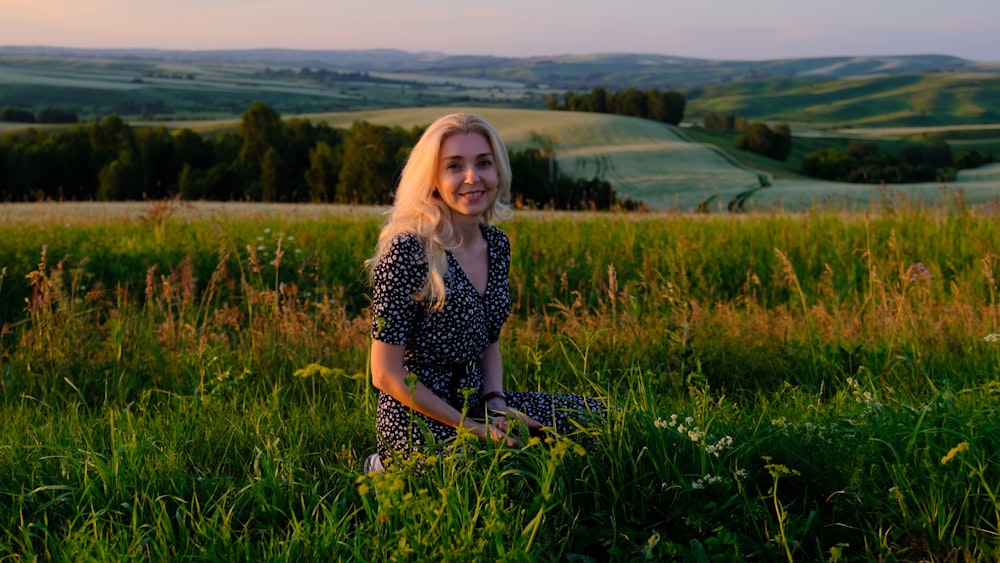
[(816, 386)]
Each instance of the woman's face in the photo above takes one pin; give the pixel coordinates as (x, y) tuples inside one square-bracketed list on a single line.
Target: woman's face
[(467, 174)]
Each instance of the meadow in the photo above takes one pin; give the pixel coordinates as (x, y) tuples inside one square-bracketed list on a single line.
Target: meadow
[(189, 381)]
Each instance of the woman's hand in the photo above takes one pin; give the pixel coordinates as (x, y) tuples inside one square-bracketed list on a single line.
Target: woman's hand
[(497, 409), (495, 429)]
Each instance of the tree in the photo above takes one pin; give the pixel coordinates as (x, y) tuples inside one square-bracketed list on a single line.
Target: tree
[(16, 115), (827, 164), (270, 175), (323, 173), (933, 155), (600, 100), (530, 177), (158, 160), (121, 179), (781, 142), (192, 149), (667, 107), (631, 102), (371, 157), (109, 138), (724, 121), (52, 114), (260, 129), (551, 101)]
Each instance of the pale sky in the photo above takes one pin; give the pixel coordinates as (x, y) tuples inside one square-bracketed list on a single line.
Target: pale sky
[(712, 29)]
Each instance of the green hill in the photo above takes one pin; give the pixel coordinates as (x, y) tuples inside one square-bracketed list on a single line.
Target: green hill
[(906, 100)]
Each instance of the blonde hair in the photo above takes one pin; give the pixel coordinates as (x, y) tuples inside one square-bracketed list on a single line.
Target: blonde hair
[(416, 210)]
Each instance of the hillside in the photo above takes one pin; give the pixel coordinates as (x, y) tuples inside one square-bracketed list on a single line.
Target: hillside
[(903, 98), (834, 92), (924, 100)]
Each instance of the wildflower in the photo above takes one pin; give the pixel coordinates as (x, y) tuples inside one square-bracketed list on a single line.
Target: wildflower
[(695, 434), (917, 271), (953, 452), (717, 448), (707, 481), (992, 337)]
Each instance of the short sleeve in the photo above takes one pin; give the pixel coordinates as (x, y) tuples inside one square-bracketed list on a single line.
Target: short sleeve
[(396, 279)]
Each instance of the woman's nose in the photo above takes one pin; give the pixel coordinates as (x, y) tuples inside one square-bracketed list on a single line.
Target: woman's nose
[(470, 175)]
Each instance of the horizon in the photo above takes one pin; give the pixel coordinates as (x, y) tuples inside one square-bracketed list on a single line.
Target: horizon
[(71, 48), (711, 30)]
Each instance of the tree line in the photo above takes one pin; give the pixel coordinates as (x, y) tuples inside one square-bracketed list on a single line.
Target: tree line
[(48, 114), (863, 162), (267, 158), (664, 106)]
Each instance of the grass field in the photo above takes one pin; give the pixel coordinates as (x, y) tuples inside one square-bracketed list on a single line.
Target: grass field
[(198, 90), (189, 381)]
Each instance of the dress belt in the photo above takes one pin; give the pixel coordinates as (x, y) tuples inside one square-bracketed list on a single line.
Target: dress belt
[(458, 372)]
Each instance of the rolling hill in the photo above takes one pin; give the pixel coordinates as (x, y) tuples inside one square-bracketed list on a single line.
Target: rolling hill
[(928, 97)]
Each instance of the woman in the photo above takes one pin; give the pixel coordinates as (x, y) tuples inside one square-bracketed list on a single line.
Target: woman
[(440, 296)]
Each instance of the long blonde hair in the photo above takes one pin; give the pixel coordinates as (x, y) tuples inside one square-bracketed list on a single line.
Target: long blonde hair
[(416, 210)]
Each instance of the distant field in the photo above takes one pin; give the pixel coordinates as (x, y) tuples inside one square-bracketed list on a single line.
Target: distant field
[(169, 89)]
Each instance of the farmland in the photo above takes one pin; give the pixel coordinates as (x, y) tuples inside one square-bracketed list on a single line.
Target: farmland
[(826, 102)]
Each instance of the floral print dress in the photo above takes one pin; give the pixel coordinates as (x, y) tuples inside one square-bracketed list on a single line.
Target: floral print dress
[(443, 348)]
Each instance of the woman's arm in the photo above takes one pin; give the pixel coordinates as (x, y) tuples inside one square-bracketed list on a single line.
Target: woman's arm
[(390, 376), (492, 366)]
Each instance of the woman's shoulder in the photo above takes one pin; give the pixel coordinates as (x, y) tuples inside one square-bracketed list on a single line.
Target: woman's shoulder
[(408, 245), (494, 233)]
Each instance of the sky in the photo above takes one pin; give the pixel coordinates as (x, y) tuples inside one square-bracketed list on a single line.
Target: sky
[(710, 29)]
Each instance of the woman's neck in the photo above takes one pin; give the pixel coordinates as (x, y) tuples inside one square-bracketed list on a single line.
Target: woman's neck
[(466, 231)]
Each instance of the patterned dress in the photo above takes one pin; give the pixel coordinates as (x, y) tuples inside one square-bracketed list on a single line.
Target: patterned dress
[(443, 348)]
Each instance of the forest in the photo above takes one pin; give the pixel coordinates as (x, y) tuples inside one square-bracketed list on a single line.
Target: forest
[(266, 159)]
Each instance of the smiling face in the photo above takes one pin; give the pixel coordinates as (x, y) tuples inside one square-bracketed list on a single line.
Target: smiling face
[(467, 174)]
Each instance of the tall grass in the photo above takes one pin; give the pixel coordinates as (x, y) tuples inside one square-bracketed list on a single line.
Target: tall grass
[(787, 387)]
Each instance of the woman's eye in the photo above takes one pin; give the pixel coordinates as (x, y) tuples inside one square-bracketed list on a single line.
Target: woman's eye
[(485, 163)]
